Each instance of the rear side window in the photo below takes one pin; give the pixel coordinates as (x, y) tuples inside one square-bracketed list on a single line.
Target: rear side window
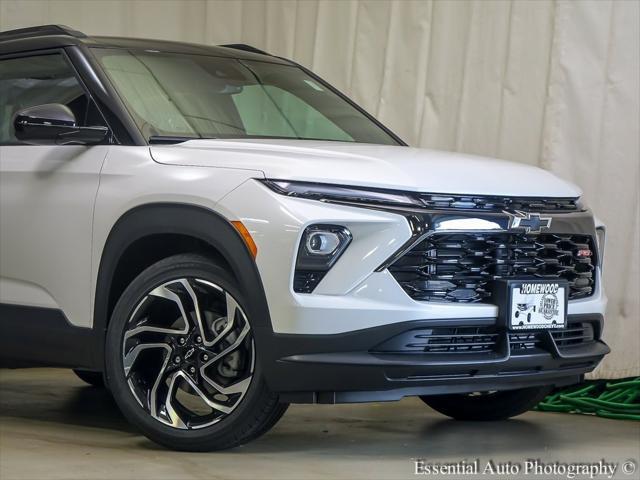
[(37, 80)]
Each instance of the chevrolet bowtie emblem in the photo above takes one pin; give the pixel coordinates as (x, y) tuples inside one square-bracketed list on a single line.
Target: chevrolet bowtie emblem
[(529, 222)]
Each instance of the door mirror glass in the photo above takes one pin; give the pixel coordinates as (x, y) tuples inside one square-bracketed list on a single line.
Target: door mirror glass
[(54, 124)]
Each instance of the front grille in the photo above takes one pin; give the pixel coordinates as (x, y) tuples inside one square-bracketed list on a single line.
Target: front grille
[(524, 340), (454, 340), (574, 335), (442, 340), (498, 204), (460, 267), (482, 340)]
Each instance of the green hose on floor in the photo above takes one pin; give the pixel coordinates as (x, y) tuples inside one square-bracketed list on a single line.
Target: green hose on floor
[(619, 399)]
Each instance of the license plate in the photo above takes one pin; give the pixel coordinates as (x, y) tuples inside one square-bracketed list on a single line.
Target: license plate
[(537, 305)]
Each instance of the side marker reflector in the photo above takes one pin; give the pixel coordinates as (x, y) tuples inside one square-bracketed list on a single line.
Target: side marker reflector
[(246, 236)]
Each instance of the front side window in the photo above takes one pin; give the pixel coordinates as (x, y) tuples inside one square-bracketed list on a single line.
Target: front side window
[(37, 80), (197, 96)]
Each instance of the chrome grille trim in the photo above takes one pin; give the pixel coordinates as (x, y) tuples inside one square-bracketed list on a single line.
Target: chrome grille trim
[(435, 201)]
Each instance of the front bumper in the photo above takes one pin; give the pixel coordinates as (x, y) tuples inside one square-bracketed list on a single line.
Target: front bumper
[(322, 346), (349, 367)]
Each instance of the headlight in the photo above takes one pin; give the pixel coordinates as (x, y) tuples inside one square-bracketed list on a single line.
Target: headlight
[(323, 191), (319, 249)]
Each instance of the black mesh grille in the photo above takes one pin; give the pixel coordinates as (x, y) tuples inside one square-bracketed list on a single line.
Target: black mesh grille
[(457, 340), (497, 204), (460, 267), (524, 340), (482, 340), (574, 335), (306, 281), (442, 340)]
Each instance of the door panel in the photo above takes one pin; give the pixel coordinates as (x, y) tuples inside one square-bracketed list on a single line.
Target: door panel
[(47, 195)]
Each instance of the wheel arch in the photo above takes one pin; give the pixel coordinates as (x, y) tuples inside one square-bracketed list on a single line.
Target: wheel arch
[(158, 230)]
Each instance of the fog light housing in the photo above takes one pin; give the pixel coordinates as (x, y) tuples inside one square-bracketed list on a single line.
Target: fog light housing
[(320, 247)]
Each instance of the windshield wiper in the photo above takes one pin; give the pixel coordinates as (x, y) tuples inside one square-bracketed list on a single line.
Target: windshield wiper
[(170, 139), (173, 139)]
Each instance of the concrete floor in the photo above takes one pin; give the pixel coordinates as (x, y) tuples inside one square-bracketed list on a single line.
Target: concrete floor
[(53, 426)]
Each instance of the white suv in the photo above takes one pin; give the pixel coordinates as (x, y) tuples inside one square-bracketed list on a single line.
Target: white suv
[(217, 232)]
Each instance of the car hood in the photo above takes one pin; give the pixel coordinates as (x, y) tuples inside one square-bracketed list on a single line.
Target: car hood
[(378, 166)]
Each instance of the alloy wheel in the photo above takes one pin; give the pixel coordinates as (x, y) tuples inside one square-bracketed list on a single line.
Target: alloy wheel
[(188, 353)]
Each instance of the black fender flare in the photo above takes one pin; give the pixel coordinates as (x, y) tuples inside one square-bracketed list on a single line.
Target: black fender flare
[(194, 221)]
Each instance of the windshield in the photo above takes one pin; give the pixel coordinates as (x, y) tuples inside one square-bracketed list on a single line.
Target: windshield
[(197, 96)]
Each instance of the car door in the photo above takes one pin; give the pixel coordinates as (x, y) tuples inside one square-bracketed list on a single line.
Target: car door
[(47, 196)]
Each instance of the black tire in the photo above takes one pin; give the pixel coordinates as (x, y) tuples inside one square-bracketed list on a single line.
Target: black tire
[(255, 413), (274, 417), (95, 379), (487, 407)]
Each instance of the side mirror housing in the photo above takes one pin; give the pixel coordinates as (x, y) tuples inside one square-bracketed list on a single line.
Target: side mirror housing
[(54, 124)]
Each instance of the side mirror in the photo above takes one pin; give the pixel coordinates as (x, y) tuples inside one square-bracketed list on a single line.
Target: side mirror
[(54, 124)]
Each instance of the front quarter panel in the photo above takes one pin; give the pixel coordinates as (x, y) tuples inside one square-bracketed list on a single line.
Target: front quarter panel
[(131, 178)]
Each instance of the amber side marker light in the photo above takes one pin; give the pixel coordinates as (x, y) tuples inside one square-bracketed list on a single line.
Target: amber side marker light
[(246, 236)]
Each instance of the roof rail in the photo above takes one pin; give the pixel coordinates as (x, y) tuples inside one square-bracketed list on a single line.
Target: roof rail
[(246, 48), (41, 31)]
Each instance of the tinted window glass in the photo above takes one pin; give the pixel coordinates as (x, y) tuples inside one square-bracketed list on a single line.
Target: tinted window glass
[(30, 81), (199, 96)]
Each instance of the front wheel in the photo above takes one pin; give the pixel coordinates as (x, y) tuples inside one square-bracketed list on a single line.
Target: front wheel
[(487, 406), (181, 358)]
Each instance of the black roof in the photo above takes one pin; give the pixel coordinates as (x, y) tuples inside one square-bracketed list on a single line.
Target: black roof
[(56, 36), (39, 31)]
